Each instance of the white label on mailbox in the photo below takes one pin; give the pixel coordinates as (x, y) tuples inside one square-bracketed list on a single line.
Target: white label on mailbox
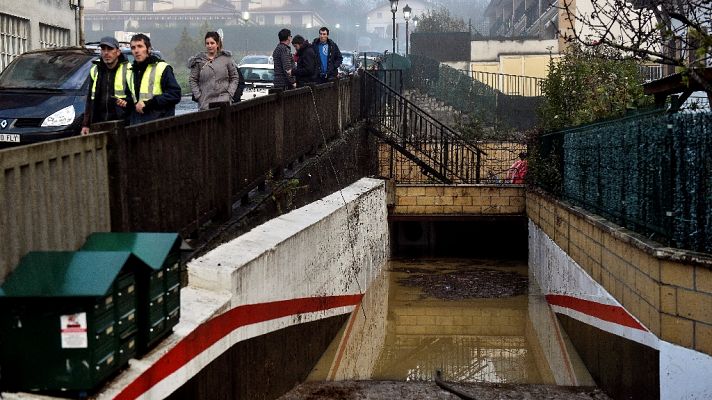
[(73, 328)]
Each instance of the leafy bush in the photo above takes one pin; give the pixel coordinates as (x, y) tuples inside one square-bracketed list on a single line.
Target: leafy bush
[(589, 84)]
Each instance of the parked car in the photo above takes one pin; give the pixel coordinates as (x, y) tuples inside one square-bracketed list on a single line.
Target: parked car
[(259, 79), (256, 59), (43, 93), (369, 59), (348, 64)]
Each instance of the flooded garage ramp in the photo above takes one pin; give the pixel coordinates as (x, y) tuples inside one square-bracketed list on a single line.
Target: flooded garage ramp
[(481, 322)]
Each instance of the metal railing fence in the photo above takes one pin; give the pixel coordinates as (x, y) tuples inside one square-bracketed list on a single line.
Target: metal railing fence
[(502, 101), (513, 85), (440, 152), (176, 174), (54, 194), (495, 164)]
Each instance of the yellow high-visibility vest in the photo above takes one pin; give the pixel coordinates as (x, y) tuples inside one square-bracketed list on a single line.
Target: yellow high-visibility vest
[(150, 82), (121, 79)]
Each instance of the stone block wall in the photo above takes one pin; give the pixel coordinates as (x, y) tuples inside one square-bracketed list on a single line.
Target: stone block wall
[(456, 200), (667, 290)]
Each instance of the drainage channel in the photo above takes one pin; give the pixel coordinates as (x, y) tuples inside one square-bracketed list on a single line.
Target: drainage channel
[(482, 323)]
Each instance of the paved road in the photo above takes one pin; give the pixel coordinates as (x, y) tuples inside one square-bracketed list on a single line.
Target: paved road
[(186, 106)]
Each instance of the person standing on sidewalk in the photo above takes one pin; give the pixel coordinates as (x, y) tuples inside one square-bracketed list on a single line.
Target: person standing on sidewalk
[(283, 62), (328, 56), (213, 75), (154, 87), (109, 94), (307, 69)]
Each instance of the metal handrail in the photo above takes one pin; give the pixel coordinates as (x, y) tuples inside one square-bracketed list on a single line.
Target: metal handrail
[(439, 150)]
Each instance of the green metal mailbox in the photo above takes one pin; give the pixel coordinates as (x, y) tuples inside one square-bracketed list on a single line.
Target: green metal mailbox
[(67, 320), (158, 285)]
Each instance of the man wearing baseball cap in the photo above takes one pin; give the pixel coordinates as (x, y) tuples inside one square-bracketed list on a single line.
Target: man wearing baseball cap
[(109, 94)]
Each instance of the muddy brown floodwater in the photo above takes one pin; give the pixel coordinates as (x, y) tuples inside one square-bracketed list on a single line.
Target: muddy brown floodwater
[(483, 323)]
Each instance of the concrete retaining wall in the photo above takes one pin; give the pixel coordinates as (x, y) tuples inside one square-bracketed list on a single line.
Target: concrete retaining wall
[(334, 246), (308, 265)]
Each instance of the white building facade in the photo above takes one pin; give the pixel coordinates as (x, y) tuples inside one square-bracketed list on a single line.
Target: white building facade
[(36, 24), (380, 19)]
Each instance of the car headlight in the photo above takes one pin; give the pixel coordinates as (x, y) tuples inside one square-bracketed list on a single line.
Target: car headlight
[(62, 117)]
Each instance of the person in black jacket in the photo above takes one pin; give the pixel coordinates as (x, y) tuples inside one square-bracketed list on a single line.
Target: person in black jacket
[(154, 88), (307, 70), (328, 56), (109, 95), (283, 63)]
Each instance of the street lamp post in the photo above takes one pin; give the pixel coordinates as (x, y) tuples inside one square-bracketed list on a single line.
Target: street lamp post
[(406, 15), (246, 18), (394, 8)]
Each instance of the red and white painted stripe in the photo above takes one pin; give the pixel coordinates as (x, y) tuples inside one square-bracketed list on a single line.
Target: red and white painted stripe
[(211, 339), (569, 290), (684, 373)]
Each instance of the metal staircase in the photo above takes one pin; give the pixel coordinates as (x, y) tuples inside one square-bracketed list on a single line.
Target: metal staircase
[(441, 153)]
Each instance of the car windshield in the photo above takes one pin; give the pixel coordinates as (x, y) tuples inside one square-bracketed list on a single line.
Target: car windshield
[(257, 74), (256, 60), (47, 70)]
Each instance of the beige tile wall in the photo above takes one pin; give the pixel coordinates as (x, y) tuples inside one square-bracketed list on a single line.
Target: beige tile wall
[(668, 290)]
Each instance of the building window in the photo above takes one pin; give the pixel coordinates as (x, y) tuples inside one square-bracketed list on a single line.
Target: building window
[(282, 19), (260, 20), (140, 5), (14, 35), (53, 36)]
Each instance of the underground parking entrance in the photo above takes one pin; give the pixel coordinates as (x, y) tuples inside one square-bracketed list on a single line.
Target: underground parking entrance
[(455, 310)]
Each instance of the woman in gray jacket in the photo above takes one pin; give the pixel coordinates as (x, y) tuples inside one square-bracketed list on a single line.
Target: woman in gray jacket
[(213, 74)]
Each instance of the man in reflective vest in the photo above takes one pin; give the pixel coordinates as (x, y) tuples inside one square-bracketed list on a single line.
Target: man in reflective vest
[(154, 88), (109, 94)]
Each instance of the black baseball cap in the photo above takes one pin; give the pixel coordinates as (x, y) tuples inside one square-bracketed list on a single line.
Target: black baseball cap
[(109, 41)]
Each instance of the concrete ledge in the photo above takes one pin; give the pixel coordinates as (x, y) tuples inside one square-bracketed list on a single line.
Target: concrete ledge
[(334, 246), (313, 263)]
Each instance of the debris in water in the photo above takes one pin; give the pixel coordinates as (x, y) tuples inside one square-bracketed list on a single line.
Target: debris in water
[(468, 284)]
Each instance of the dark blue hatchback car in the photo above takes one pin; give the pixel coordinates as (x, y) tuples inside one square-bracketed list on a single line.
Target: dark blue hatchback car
[(43, 95)]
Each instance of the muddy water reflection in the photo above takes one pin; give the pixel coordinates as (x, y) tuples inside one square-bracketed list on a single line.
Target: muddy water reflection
[(465, 318)]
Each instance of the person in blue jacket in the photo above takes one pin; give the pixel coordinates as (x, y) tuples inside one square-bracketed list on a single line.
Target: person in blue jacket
[(328, 56)]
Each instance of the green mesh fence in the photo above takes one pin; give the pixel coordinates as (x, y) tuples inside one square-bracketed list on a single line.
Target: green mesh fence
[(692, 163), (648, 173)]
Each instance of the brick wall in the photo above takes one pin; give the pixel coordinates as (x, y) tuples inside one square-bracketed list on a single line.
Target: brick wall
[(668, 290), (461, 199), (498, 158)]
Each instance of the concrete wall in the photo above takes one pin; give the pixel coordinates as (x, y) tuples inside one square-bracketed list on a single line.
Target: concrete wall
[(54, 194), (50, 12), (311, 264), (534, 65), (514, 57), (491, 50), (322, 249), (658, 297)]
